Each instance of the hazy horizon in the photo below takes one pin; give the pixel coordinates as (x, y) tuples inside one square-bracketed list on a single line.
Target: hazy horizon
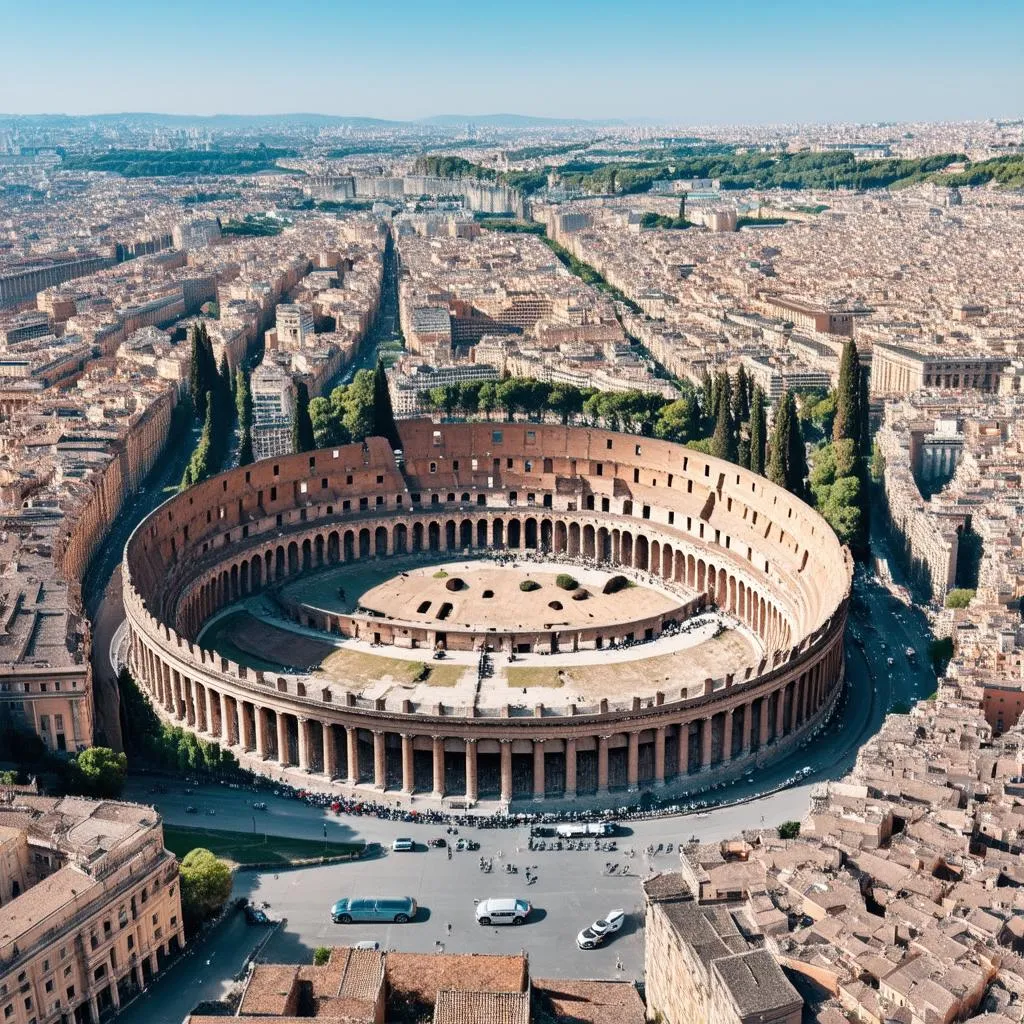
[(774, 62)]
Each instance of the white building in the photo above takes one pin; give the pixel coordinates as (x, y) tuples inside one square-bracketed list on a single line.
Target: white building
[(273, 406)]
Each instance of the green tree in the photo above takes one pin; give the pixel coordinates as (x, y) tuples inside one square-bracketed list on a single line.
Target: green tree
[(325, 426), (321, 956), (778, 448), (302, 425), (243, 399), (723, 441), (846, 425), (202, 368), (740, 398), (383, 415), (487, 400), (469, 397), (245, 452), (960, 597), (796, 458), (678, 421), (99, 772), (789, 830), (758, 431), (205, 886)]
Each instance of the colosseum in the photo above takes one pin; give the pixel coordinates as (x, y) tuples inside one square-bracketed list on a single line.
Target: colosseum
[(496, 612)]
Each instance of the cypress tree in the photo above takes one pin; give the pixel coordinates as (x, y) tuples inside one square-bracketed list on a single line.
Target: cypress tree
[(778, 449), (224, 394), (197, 381), (723, 441), (383, 415), (846, 426), (245, 456), (243, 400), (302, 425), (796, 456), (740, 398), (757, 432), (706, 392)]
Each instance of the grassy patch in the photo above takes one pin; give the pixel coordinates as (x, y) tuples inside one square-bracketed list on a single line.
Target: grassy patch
[(252, 848), (444, 675), (440, 574), (358, 669), (531, 677)]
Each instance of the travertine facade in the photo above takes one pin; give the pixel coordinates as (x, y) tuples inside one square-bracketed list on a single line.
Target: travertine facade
[(752, 549)]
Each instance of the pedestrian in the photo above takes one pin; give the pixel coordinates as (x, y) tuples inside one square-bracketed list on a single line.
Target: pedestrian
[(449, 927), (618, 963)]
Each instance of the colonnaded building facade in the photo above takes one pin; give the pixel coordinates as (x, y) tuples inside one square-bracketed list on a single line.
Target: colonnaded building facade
[(493, 612)]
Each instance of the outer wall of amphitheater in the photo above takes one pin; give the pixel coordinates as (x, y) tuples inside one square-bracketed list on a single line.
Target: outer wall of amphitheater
[(741, 543)]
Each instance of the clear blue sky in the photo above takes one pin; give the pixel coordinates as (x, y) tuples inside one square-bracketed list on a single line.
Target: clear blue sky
[(683, 62)]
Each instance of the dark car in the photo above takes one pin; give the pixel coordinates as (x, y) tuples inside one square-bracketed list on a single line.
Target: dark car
[(437, 841)]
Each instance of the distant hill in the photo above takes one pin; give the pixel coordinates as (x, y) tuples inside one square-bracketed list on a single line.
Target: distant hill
[(509, 121)]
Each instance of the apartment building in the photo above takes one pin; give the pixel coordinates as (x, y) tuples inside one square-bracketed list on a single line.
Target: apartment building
[(90, 909)]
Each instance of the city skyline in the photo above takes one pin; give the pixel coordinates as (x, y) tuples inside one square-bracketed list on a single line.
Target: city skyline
[(664, 64)]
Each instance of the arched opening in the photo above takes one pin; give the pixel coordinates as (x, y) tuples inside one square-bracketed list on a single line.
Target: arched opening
[(434, 536), (513, 533), (364, 542), (449, 535), (293, 558), (380, 541), (589, 542), (333, 548), (466, 533), (417, 537), (318, 549), (561, 542), (545, 535), (498, 533), (307, 555), (531, 533), (641, 552), (626, 548), (350, 545), (481, 533), (574, 540), (401, 538)]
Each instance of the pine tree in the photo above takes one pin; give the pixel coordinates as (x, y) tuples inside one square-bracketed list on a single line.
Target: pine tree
[(778, 449), (302, 425), (383, 415), (846, 426), (757, 432)]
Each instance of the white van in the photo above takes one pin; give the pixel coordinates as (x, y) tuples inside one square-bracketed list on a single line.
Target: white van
[(502, 911)]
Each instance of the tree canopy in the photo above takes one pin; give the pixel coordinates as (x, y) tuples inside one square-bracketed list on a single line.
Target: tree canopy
[(205, 886)]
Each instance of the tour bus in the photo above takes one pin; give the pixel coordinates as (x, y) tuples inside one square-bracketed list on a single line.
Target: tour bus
[(398, 909), (594, 830)]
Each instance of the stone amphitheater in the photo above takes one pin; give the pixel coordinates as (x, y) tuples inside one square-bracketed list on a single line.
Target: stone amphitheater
[(494, 613)]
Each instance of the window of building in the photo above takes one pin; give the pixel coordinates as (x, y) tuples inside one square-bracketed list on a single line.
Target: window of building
[(528, 465), (303, 487), (433, 467), (455, 465), (496, 436), (608, 444)]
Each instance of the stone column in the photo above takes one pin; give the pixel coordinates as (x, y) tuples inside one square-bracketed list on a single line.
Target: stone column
[(684, 748), (506, 770), (380, 780), (570, 769), (330, 751), (304, 744), (538, 769), (762, 732), (247, 731), (408, 775), (225, 722), (471, 783), (748, 714), (780, 712), (602, 764), (282, 741), (438, 766), (633, 762), (201, 718), (352, 740), (659, 756), (210, 698), (261, 732), (705, 744), (190, 706), (727, 737)]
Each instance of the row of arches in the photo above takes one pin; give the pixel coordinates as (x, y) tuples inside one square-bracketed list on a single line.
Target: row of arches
[(725, 586), (372, 752)]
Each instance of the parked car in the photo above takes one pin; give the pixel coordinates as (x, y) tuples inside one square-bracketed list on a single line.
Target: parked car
[(438, 841), (466, 844), (503, 910), (399, 909), (403, 845), (596, 934)]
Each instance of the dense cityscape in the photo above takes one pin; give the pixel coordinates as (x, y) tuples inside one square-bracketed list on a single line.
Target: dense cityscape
[(608, 527)]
